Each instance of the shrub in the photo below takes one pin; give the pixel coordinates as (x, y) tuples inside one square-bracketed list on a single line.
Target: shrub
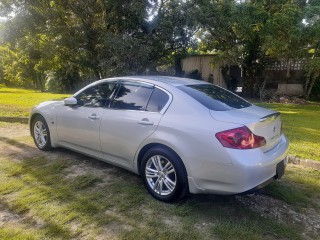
[(195, 74)]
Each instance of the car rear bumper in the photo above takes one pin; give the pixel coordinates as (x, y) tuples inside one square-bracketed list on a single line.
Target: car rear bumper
[(249, 170)]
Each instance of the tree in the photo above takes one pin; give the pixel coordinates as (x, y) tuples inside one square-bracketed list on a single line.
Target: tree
[(73, 40), (233, 31), (312, 33), (253, 34)]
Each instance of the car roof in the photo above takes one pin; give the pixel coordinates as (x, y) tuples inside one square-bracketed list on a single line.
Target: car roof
[(165, 80), (173, 81)]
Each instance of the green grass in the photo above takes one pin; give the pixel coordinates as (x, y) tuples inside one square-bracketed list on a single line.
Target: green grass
[(19, 102), (300, 187), (301, 124)]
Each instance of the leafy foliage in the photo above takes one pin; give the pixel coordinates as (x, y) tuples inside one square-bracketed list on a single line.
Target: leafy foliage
[(72, 41), (195, 74), (254, 34), (59, 45)]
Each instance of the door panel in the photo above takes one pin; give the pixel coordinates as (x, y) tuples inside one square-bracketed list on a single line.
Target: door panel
[(78, 127), (122, 132), (127, 123)]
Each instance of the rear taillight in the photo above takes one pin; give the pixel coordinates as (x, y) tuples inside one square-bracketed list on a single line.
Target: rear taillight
[(240, 138)]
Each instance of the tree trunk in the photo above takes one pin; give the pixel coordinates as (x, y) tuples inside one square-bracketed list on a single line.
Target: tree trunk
[(38, 86), (41, 83), (309, 89), (307, 84), (178, 66), (248, 82), (262, 92), (311, 77), (35, 85), (288, 69)]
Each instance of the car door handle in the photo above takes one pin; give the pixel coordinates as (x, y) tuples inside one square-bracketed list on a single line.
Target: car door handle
[(145, 121), (93, 116)]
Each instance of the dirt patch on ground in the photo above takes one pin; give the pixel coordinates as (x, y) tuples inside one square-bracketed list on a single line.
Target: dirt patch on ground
[(14, 130), (11, 218), (269, 207)]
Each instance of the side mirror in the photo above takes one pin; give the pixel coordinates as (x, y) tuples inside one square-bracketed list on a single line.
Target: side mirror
[(70, 101)]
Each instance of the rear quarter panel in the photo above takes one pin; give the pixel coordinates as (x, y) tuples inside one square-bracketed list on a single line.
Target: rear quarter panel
[(188, 128)]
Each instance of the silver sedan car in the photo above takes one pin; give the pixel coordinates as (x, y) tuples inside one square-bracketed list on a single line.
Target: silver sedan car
[(180, 135)]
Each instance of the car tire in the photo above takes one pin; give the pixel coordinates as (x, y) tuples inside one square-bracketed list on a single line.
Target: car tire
[(41, 134), (164, 174)]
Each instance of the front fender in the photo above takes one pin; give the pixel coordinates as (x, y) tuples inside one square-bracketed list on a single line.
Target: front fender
[(48, 110)]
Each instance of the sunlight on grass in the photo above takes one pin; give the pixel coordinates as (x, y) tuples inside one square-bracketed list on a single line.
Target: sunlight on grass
[(85, 181), (288, 112), (11, 232), (248, 230), (302, 128), (19, 102), (299, 187)]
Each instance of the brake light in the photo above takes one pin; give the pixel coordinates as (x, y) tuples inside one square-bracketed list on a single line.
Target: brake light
[(240, 138)]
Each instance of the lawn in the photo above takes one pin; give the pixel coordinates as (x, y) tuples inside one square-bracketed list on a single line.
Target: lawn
[(19, 102), (64, 195), (301, 124)]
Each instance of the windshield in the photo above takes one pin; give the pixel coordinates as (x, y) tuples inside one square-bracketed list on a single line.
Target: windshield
[(214, 97)]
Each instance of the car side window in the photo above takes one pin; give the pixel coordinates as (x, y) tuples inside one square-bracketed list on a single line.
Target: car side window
[(157, 100), (132, 96), (97, 96)]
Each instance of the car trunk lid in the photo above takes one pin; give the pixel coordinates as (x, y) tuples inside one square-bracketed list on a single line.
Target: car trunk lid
[(262, 122)]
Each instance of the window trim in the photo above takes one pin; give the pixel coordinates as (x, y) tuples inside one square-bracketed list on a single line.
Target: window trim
[(165, 107), (235, 95), (118, 84), (136, 83), (95, 84)]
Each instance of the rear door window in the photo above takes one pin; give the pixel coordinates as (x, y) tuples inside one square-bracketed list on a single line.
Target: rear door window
[(214, 97), (132, 96), (157, 100)]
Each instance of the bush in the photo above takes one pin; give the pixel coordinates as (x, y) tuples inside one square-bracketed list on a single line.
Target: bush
[(195, 74)]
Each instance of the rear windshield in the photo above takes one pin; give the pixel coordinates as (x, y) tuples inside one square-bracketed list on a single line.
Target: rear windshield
[(214, 98)]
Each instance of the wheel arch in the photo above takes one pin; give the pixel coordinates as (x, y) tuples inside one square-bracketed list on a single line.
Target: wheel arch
[(148, 146), (33, 116), (184, 188)]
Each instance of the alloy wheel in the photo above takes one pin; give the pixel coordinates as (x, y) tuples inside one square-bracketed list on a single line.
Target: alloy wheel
[(40, 134), (161, 175)]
